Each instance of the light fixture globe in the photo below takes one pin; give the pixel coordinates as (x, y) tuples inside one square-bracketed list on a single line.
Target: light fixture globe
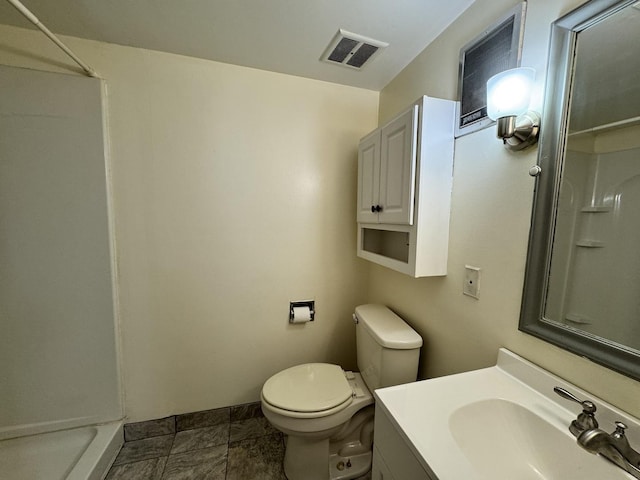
[(509, 92), (508, 98)]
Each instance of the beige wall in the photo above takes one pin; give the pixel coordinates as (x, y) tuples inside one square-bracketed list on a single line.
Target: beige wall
[(234, 193), (491, 208)]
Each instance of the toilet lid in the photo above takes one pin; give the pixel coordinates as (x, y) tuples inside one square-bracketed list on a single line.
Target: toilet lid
[(311, 387)]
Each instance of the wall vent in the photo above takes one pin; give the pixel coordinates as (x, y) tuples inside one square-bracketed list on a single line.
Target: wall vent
[(352, 50)]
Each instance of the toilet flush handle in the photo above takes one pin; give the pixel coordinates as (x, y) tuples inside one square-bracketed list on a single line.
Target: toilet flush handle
[(355, 318)]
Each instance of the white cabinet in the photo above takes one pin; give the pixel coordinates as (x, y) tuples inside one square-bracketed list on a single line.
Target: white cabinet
[(405, 171), (386, 171), (379, 469), (392, 456)]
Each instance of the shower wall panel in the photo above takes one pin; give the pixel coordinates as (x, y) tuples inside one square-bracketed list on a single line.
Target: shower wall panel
[(595, 270), (58, 356)]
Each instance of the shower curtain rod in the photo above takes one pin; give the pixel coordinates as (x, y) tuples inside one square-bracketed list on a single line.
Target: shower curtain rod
[(33, 19)]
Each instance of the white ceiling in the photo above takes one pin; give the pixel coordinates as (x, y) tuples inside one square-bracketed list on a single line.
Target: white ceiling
[(287, 36)]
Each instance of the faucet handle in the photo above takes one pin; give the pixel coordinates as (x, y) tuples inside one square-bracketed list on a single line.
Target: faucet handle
[(588, 406), (620, 428), (586, 420)]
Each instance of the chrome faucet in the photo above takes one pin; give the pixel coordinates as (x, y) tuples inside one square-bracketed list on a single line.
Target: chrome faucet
[(614, 447)]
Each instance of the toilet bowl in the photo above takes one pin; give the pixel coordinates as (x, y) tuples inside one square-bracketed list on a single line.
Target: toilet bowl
[(327, 412), (315, 405)]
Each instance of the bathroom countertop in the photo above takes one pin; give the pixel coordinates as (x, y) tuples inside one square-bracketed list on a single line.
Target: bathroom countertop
[(428, 416)]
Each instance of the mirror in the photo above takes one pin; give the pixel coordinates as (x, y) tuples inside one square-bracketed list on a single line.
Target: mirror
[(582, 284)]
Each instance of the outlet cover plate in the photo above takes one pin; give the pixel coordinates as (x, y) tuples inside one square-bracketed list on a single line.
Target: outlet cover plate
[(471, 284)]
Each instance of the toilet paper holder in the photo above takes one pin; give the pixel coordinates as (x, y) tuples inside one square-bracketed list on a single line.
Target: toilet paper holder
[(308, 303)]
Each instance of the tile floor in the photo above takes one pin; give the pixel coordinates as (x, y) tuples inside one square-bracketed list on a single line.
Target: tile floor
[(235, 443)]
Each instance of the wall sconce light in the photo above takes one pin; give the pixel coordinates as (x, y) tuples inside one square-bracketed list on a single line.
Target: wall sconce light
[(508, 97)]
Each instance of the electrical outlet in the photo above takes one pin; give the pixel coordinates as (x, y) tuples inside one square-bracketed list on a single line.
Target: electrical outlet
[(471, 284)]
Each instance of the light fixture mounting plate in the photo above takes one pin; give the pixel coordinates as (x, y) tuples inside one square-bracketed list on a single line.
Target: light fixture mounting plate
[(526, 132)]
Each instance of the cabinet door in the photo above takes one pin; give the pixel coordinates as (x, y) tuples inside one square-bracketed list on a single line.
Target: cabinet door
[(398, 148), (368, 177), (379, 469), (392, 453)]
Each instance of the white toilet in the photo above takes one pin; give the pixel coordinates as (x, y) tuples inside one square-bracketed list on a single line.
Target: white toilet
[(327, 412)]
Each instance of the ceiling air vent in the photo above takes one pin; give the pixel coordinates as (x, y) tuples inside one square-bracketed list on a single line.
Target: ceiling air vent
[(352, 50)]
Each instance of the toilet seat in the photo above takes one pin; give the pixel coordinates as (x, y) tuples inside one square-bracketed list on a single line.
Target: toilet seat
[(308, 390)]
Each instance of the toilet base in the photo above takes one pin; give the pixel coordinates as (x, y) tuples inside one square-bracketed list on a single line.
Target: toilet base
[(306, 459), (347, 468), (346, 455)]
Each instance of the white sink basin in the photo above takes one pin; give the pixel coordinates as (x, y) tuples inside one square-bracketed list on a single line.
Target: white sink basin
[(502, 439), (499, 423)]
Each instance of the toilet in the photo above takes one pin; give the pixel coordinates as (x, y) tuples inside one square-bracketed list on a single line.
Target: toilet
[(327, 412)]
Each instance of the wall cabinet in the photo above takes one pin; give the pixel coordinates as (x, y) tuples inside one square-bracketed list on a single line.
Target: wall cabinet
[(387, 170), (405, 171)]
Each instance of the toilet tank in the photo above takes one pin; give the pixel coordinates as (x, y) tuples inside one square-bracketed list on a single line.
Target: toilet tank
[(388, 349)]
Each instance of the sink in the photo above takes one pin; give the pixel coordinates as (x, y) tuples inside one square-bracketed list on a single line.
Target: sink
[(498, 423), (502, 439)]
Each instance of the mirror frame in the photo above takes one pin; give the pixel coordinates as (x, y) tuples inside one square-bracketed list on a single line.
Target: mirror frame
[(564, 33)]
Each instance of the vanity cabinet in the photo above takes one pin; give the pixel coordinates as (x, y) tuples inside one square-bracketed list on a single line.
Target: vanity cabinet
[(405, 172), (392, 456)]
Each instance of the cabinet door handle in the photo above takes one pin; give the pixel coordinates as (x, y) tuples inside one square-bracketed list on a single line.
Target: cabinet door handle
[(378, 208)]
